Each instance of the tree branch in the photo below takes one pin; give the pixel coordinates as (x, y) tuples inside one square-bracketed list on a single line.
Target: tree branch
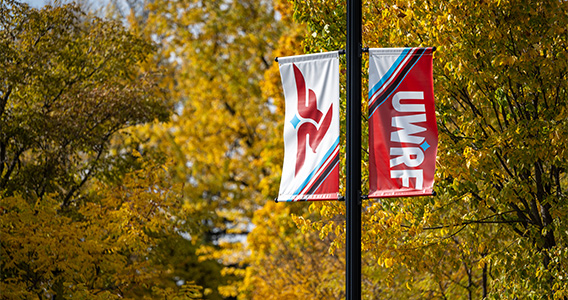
[(15, 160), (480, 221), (4, 101)]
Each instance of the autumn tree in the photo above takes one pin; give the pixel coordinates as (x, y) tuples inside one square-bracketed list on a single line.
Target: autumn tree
[(69, 84), (496, 228), (220, 137), (80, 212)]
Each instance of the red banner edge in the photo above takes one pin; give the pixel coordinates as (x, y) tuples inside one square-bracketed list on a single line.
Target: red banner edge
[(398, 193), (314, 197)]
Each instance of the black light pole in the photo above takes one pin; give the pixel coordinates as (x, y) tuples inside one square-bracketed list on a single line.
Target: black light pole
[(353, 152)]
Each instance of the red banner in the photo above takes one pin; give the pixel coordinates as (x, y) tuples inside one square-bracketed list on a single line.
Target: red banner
[(403, 136)]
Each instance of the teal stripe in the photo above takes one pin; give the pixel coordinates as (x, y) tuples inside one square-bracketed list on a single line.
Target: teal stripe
[(327, 155), (389, 72), (327, 175), (411, 67)]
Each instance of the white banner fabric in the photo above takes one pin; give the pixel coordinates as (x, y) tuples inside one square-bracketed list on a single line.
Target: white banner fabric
[(311, 127)]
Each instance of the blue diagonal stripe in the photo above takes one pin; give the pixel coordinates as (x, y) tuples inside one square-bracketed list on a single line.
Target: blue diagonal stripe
[(411, 67), (327, 155), (389, 73), (334, 163)]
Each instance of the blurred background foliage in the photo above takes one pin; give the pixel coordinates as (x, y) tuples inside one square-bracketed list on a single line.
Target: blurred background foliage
[(140, 148)]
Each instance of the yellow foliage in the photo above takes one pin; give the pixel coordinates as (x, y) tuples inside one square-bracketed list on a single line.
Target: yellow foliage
[(501, 82)]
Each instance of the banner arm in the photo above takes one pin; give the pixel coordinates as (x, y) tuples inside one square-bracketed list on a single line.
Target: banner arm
[(363, 49), (340, 51), (339, 198), (367, 197)]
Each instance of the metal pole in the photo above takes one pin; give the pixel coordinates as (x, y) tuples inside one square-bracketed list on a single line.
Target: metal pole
[(353, 152)]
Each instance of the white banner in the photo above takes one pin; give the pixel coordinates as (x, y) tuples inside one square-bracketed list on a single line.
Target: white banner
[(311, 127)]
